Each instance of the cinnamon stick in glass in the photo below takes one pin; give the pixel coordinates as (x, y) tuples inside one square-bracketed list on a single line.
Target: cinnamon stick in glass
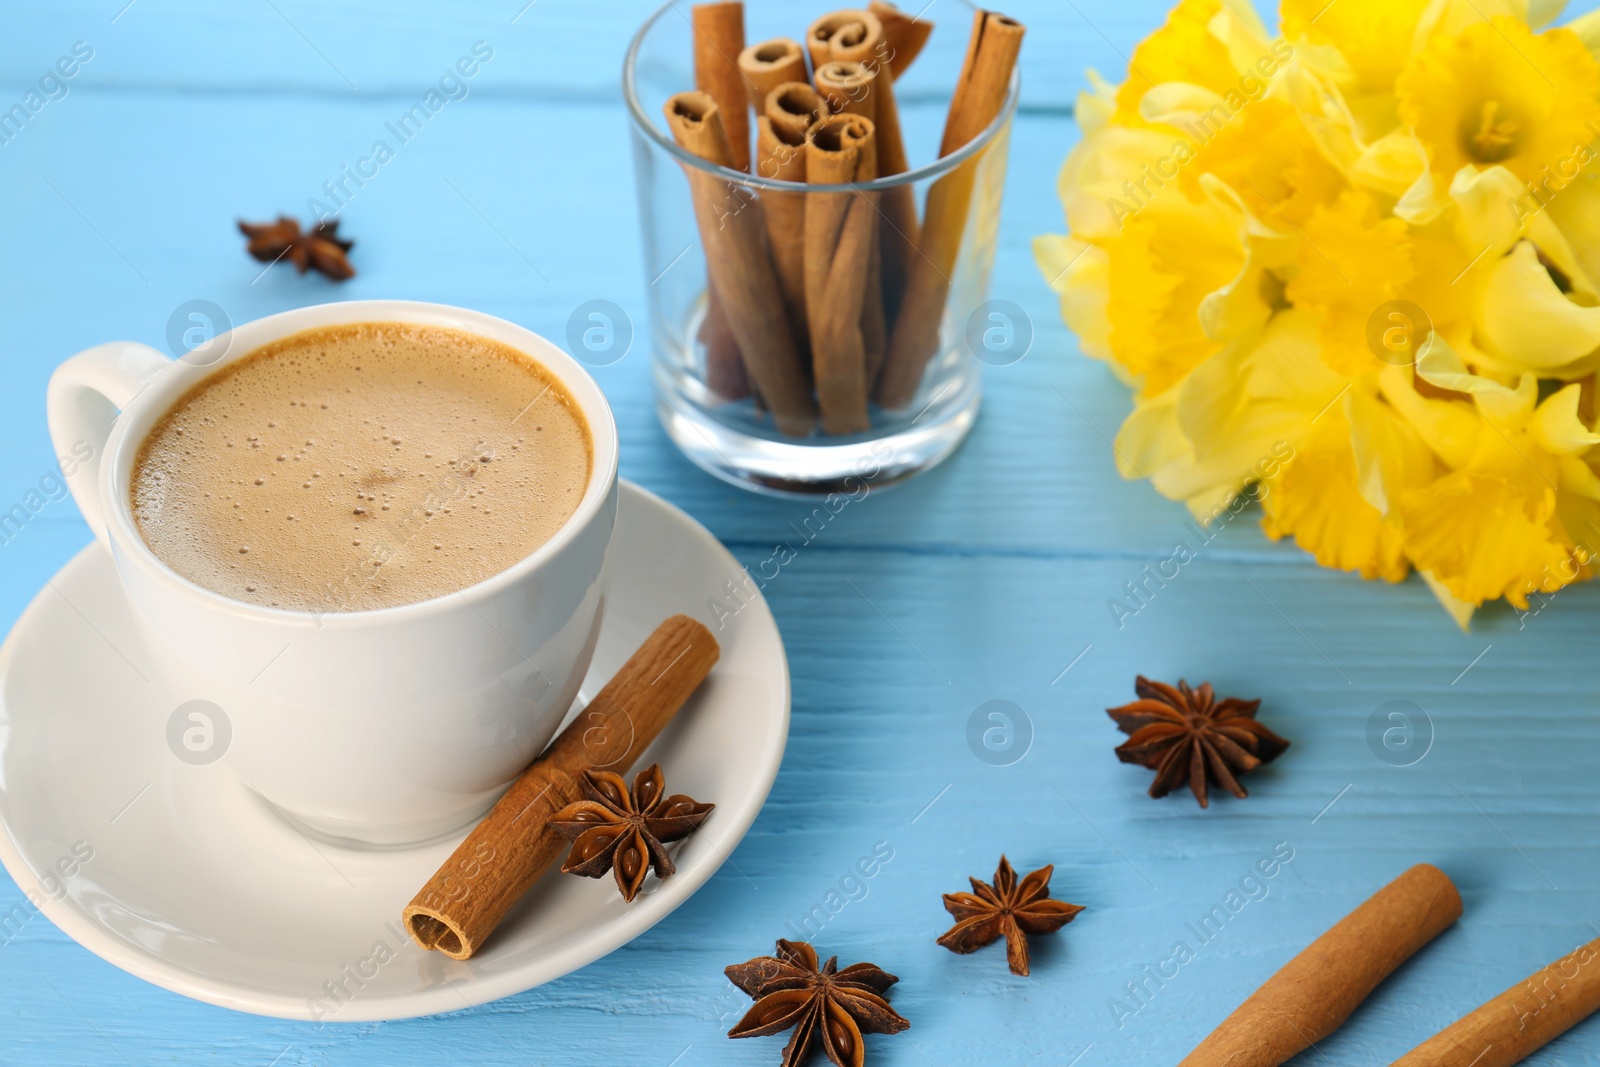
[(904, 35), (718, 30), (794, 108), (844, 29), (840, 227), (980, 93), (733, 231), (507, 852), (766, 66), (1520, 1021), (725, 373), (859, 37), (787, 112), (850, 88), (1315, 992), (718, 40)]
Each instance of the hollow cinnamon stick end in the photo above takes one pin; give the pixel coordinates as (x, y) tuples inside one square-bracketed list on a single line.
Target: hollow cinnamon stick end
[(695, 120), (769, 64), (846, 34), (689, 110), (432, 930), (791, 108), (847, 85)]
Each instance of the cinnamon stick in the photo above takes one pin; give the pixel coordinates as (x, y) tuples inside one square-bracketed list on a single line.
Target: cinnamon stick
[(851, 88), (718, 30), (904, 35), (1520, 1021), (788, 111), (733, 231), (725, 373), (718, 40), (767, 65), (507, 852), (793, 107), (860, 37), (847, 87), (840, 29), (980, 93), (839, 229), (1317, 990)]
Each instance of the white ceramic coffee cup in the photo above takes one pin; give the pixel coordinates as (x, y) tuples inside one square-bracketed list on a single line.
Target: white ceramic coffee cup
[(385, 726)]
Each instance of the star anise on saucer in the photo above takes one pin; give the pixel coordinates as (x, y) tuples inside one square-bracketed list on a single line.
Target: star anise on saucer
[(320, 250), (818, 1002), (623, 830), (1187, 733), (1007, 908)]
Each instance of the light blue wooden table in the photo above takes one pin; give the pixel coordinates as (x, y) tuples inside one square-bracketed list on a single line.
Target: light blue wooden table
[(986, 580)]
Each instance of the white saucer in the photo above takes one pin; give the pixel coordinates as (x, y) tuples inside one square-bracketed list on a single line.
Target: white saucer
[(194, 884)]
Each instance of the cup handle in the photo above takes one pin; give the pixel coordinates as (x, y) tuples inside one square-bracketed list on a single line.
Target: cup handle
[(85, 396)]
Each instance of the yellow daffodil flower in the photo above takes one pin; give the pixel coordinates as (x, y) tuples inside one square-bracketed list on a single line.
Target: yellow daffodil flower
[(1355, 272)]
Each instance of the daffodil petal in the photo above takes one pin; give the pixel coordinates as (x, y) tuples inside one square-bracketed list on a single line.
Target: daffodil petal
[(1317, 499), (1575, 212), (1149, 439), (1557, 426), (1451, 428), (1482, 219), (1079, 273), (1172, 103), (1456, 608), (1392, 164), (1485, 536), (1095, 105), (1522, 316), (1506, 406), (1390, 456), (1578, 477), (1587, 28), (1541, 13), (1423, 202)]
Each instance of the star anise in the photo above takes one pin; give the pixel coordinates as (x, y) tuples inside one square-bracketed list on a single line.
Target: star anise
[(622, 830), (1010, 908), (1187, 732), (791, 990), (321, 249)]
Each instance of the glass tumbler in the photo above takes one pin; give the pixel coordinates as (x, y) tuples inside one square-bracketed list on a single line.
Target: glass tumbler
[(922, 390)]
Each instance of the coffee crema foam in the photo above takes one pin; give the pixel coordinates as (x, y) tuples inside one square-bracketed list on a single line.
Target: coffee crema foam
[(361, 466)]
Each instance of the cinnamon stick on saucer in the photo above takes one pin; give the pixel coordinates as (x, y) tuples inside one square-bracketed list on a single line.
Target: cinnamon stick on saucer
[(733, 232), (903, 34), (1520, 1021), (786, 114), (1317, 990), (839, 231), (980, 93), (507, 852)]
